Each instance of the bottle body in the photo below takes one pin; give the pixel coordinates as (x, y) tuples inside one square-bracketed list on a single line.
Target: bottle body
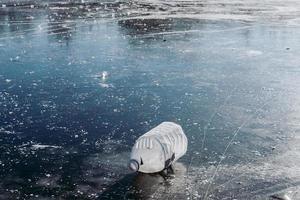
[(158, 148)]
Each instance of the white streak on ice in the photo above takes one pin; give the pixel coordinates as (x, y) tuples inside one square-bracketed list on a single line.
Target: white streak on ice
[(41, 146)]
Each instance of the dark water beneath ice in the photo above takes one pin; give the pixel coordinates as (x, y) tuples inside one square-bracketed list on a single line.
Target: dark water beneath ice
[(79, 83)]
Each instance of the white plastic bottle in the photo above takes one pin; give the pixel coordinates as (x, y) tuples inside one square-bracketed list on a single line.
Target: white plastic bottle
[(158, 149)]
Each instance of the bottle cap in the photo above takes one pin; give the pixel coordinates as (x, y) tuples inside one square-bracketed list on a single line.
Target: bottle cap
[(133, 165)]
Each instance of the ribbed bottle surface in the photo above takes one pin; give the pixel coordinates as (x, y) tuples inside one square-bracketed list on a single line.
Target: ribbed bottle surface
[(159, 147)]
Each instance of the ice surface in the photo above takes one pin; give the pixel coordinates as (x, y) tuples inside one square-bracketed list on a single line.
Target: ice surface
[(80, 82)]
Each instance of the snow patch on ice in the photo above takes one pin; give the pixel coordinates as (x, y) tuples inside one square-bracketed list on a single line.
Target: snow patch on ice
[(42, 146), (2, 130), (105, 85), (251, 53)]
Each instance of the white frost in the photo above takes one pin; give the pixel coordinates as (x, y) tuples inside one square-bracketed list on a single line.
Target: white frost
[(42, 146)]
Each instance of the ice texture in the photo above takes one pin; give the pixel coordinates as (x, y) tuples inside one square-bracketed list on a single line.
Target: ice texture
[(80, 81)]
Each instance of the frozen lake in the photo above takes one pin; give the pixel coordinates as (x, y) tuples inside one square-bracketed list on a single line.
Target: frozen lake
[(80, 82)]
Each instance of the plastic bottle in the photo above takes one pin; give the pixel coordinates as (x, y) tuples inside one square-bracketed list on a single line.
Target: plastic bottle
[(157, 149)]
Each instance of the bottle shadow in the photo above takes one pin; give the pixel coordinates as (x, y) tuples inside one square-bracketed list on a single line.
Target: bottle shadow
[(145, 186)]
